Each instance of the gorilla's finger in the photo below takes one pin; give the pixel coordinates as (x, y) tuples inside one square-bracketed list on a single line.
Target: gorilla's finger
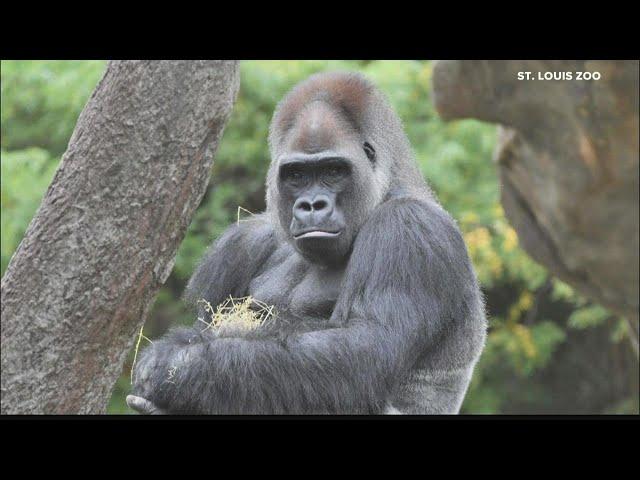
[(143, 406)]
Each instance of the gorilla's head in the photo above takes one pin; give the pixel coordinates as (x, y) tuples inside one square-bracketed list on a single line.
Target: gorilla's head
[(337, 151)]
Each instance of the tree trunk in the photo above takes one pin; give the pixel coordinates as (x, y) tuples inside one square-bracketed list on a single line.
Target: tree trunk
[(103, 241), (568, 160)]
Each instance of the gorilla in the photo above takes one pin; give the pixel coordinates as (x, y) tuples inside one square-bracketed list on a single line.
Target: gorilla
[(379, 306)]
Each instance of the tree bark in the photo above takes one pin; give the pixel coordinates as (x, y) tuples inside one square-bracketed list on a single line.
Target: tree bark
[(568, 160), (103, 241)]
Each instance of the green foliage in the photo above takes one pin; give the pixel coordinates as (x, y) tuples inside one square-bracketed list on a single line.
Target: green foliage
[(42, 100), (588, 317)]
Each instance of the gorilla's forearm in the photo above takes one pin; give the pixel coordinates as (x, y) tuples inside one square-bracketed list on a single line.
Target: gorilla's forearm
[(341, 370)]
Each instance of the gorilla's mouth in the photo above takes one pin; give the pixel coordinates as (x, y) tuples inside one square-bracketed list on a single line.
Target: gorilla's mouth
[(317, 234)]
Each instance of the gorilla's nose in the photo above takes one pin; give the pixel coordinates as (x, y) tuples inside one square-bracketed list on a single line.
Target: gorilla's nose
[(312, 211)]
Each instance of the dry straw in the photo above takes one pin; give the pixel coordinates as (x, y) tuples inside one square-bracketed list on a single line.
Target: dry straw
[(135, 354), (244, 313), (238, 314), (242, 209)]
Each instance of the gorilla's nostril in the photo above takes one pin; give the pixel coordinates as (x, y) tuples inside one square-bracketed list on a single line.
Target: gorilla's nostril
[(306, 206), (319, 205)]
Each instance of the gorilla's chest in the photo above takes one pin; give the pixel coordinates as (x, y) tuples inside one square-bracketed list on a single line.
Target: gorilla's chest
[(297, 287)]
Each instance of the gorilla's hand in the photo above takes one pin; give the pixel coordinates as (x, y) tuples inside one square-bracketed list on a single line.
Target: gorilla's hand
[(142, 388), (144, 406), (160, 368)]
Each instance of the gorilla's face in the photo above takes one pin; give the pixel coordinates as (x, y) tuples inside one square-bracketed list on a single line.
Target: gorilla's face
[(314, 187), (324, 183)]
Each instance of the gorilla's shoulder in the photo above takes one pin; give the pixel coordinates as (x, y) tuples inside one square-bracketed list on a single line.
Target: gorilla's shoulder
[(415, 238), (415, 219), (411, 254), (232, 261), (253, 232)]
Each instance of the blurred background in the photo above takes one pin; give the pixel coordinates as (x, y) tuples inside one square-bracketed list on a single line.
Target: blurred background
[(549, 349)]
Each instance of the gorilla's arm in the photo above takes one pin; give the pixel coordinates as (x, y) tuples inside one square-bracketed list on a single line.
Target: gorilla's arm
[(408, 276), (232, 262)]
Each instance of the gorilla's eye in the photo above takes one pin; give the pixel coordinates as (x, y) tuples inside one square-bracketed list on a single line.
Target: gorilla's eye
[(370, 151), (336, 171), (292, 174)]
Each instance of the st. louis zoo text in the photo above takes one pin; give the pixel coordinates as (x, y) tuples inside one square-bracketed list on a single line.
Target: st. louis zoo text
[(559, 75)]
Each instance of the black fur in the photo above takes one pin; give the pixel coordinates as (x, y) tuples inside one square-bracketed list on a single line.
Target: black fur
[(394, 320)]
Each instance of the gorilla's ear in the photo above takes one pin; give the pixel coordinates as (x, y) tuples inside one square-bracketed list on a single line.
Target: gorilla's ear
[(370, 151)]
